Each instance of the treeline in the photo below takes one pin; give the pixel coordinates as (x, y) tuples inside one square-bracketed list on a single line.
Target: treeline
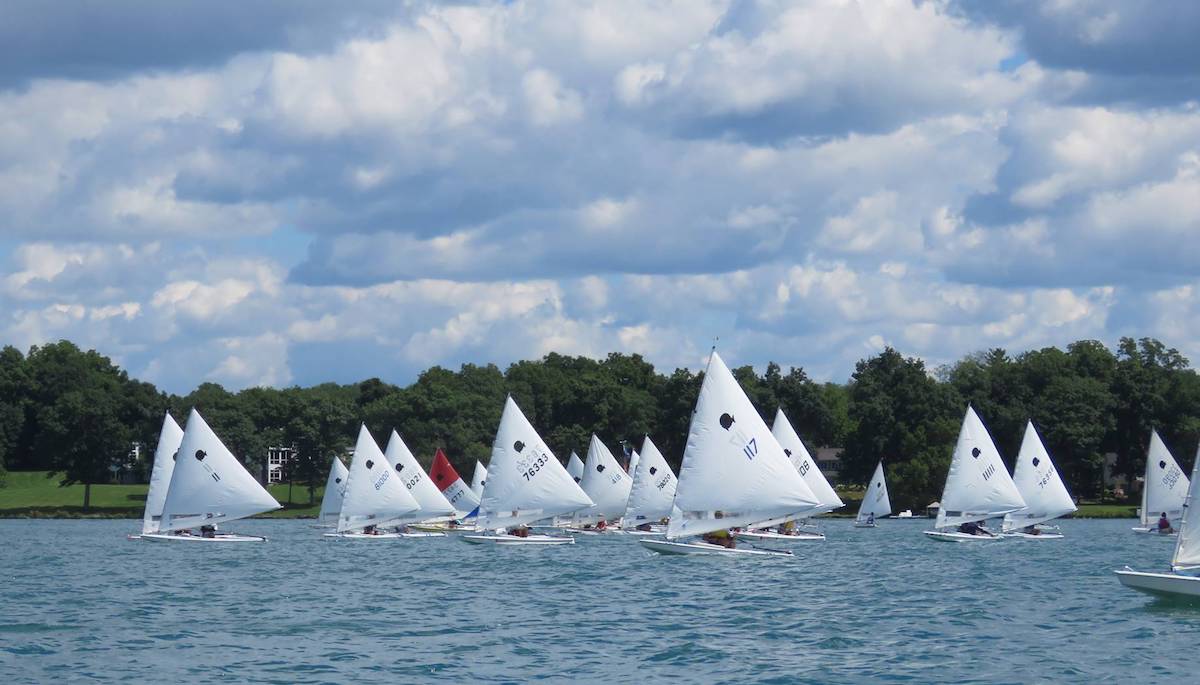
[(75, 413)]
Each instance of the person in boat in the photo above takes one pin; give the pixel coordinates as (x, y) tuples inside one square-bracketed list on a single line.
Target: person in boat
[(208, 531), (787, 528), (1031, 530), (645, 526), (602, 525), (871, 519), (973, 528), (720, 537), (1164, 524), (520, 532), (370, 530)]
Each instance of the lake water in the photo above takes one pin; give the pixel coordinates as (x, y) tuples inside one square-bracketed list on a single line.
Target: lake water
[(78, 602)]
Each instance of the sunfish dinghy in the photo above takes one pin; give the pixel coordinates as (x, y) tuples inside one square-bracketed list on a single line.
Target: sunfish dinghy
[(208, 486), (453, 487), (375, 498), (1175, 584), (165, 454), (478, 479), (434, 507), (875, 503), (978, 487), (734, 473), (651, 494), (335, 492), (1163, 489), (526, 483), (1045, 494), (606, 484)]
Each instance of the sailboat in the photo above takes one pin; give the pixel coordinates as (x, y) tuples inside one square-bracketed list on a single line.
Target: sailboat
[(335, 492), (734, 472), (652, 492), (575, 467), (875, 503), (978, 486), (375, 496), (208, 486), (634, 458), (526, 483), (1163, 489), (453, 487), (1041, 487), (433, 505), (802, 460), (1186, 557), (169, 437), (478, 479), (606, 483)]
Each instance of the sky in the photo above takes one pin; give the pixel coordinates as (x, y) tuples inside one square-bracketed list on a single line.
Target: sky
[(297, 191)]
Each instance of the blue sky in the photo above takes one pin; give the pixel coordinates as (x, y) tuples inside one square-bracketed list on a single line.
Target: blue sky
[(310, 191)]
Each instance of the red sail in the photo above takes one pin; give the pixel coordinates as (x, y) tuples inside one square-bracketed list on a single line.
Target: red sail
[(442, 473)]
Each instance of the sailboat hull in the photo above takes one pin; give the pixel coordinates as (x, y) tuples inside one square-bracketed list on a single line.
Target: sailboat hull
[(513, 540), (768, 536), (1147, 530), (1027, 536), (363, 536), (219, 538), (704, 548), (865, 525), (1161, 584), (955, 536)]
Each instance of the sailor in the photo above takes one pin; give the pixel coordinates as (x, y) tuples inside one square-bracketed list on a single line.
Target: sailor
[(519, 531), (871, 518), (208, 531), (1164, 524), (370, 530), (645, 526), (788, 528), (602, 525), (719, 537)]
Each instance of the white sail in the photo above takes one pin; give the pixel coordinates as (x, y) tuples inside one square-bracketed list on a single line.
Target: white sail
[(165, 454), (575, 467), (433, 504), (209, 485), (335, 492), (1165, 485), (876, 502), (605, 482), (653, 489), (1039, 483), (374, 494), (479, 479), (634, 458), (1187, 547), (734, 472), (525, 480), (978, 486), (794, 448)]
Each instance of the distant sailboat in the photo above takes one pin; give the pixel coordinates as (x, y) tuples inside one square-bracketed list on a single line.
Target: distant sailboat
[(634, 458), (169, 438), (1186, 557), (606, 483), (453, 487), (978, 487), (375, 496), (575, 467), (434, 507), (734, 472), (208, 486), (526, 483), (875, 503), (335, 491), (479, 479), (806, 466), (1163, 489), (652, 492), (1041, 487)]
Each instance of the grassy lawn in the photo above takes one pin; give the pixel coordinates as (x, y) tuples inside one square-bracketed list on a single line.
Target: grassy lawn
[(32, 494)]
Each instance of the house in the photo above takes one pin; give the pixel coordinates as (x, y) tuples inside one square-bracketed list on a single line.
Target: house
[(829, 461), (278, 461)]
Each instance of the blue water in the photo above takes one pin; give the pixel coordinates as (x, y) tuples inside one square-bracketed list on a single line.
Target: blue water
[(78, 602)]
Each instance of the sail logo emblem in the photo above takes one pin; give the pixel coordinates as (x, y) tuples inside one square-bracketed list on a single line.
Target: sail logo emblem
[(975, 452), (370, 464), (337, 480), (653, 470), (175, 457), (399, 468), (518, 446), (1036, 461), (200, 455), (599, 468), (738, 437)]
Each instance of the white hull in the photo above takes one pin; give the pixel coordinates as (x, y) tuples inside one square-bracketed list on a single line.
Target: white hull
[(222, 537), (1161, 584), (1147, 530), (955, 536), (364, 536), (1027, 536), (634, 531), (864, 525), (510, 540), (582, 531), (704, 548), (768, 536)]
